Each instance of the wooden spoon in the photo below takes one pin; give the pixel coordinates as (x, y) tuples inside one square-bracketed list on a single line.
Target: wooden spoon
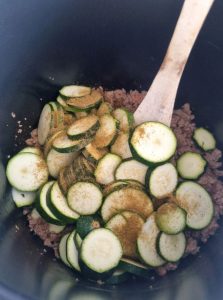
[(159, 101)]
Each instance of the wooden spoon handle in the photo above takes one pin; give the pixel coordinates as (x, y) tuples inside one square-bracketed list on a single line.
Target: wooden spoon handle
[(159, 101)]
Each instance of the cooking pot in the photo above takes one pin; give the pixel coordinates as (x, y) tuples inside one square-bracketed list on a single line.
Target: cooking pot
[(46, 44)]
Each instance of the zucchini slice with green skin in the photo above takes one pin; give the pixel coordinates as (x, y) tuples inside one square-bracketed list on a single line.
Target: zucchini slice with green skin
[(84, 197), (45, 123), (56, 228), (131, 169), (63, 249), (126, 226), (107, 131), (92, 153), (204, 139), (56, 161), (121, 145), (87, 102), (66, 107), (23, 198), (171, 247), (101, 251), (85, 127), (33, 150), (58, 205), (105, 170), (73, 91), (134, 267), (78, 240), (170, 218), (191, 165), (119, 276), (126, 198), (42, 205), (146, 243), (49, 142), (65, 145), (153, 143), (163, 180), (104, 108), (62, 182), (27, 171), (113, 186), (85, 224), (197, 203), (72, 252), (125, 118)]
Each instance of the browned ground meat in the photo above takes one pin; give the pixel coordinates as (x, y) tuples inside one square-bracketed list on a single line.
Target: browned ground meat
[(183, 125)]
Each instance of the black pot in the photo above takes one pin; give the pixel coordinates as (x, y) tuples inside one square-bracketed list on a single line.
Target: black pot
[(49, 43)]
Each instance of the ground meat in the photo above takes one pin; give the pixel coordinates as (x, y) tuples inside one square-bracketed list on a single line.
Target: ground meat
[(33, 140), (183, 126)]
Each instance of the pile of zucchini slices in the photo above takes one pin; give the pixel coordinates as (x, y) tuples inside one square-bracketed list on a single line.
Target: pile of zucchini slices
[(114, 182)]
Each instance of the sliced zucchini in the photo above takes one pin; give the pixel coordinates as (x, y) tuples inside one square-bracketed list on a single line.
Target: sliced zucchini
[(56, 228), (125, 118), (119, 276), (146, 243), (121, 145), (191, 165), (87, 102), (107, 131), (104, 108), (84, 197), (23, 198), (85, 127), (63, 103), (72, 91), (56, 161), (153, 142), (126, 226), (131, 169), (204, 139), (65, 145), (85, 224), (170, 218), (58, 205), (197, 203), (78, 240), (105, 170), (101, 251), (134, 267), (45, 123), (92, 153), (33, 150), (113, 186), (62, 182), (126, 198), (35, 215), (49, 142), (80, 114), (72, 252), (171, 247), (27, 171), (42, 205), (163, 180), (63, 249)]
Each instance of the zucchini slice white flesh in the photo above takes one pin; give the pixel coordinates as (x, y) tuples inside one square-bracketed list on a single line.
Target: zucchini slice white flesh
[(43, 207), (204, 139), (33, 150), (171, 247), (23, 198), (113, 186), (197, 203), (56, 228), (125, 118), (72, 252), (104, 108), (72, 91), (63, 249), (92, 153), (118, 277), (63, 103), (59, 206), (65, 145), (84, 197), (146, 243), (163, 180), (126, 226), (106, 132), (131, 169), (80, 114), (49, 142), (191, 165), (45, 123), (101, 250), (153, 142), (170, 218), (83, 128), (87, 102), (56, 161), (121, 145), (126, 198), (78, 240), (27, 171), (105, 170), (134, 267)]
